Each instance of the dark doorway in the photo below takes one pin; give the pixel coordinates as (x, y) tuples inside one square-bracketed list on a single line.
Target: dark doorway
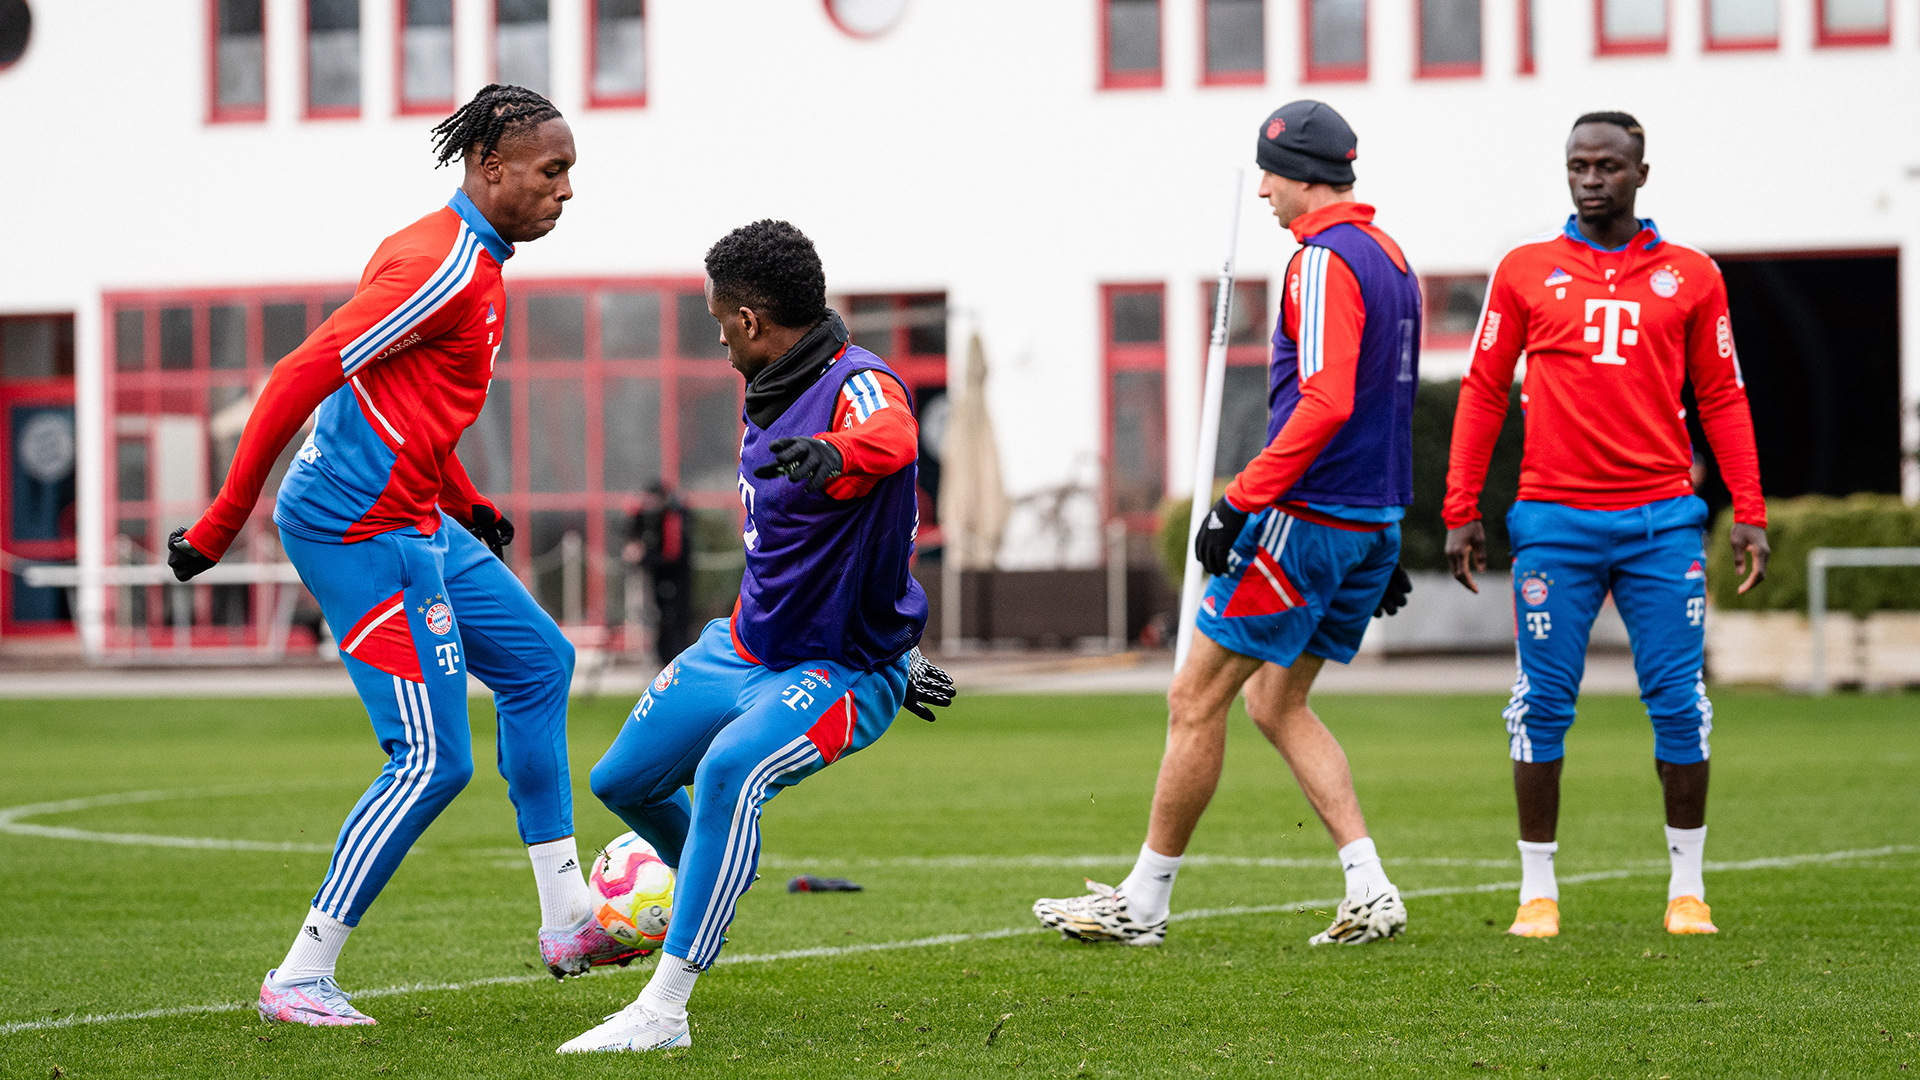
[(1818, 336)]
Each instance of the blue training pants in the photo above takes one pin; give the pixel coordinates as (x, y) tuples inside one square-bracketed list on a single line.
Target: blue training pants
[(412, 615), (736, 732), (1565, 561)]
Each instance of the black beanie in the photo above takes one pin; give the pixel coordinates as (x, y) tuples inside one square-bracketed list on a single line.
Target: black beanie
[(1309, 142)]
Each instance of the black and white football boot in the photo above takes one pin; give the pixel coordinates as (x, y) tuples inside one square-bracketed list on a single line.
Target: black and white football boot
[(1356, 923), (1101, 915)]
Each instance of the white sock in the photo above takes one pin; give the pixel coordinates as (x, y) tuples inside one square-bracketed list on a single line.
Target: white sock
[(1686, 846), (1149, 889), (1366, 878), (1536, 871), (564, 899), (316, 948), (671, 986)]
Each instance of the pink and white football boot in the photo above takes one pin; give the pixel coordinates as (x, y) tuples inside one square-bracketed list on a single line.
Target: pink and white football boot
[(573, 952), (314, 1002)]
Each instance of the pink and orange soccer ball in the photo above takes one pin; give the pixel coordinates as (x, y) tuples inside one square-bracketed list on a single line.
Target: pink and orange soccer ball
[(632, 892)]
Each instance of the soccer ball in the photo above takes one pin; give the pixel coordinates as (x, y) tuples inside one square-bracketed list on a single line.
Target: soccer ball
[(632, 892)]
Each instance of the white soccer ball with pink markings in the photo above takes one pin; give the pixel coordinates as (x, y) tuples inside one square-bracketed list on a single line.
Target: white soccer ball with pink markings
[(632, 892)]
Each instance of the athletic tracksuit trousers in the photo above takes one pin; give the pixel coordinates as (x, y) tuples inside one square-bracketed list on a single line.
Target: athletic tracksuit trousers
[(413, 614)]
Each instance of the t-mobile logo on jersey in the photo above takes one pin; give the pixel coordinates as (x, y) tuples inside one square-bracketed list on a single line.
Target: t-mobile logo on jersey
[(1610, 334), (448, 656), (1539, 623)]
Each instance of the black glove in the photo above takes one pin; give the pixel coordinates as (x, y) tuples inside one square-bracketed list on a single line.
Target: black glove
[(809, 461), (185, 559), (1214, 542), (1395, 598), (926, 685), (492, 528)]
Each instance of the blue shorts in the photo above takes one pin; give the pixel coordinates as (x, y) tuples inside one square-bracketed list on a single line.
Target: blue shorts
[(734, 732), (1565, 561), (1295, 585)]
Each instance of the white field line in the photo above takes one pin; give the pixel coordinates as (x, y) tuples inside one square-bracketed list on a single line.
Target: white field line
[(10, 820), (827, 951)]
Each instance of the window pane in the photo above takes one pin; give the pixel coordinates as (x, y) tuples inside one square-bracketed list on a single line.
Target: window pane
[(1339, 32), (709, 433), (1133, 35), (486, 449), (698, 336), (1136, 318), (1855, 16), (1236, 36), (28, 349), (630, 433), (282, 328), (557, 327), (228, 328), (1139, 440), (619, 61), (428, 45), (1743, 20), (546, 530), (927, 326), (130, 459), (557, 423), (1450, 31), (1456, 305), (129, 339), (1243, 418), (520, 43), (1246, 314), (241, 54), (871, 320), (1635, 20), (176, 338), (333, 53), (630, 325), (224, 430)]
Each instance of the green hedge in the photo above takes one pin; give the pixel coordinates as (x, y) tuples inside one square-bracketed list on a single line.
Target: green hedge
[(1795, 527), (1423, 535)]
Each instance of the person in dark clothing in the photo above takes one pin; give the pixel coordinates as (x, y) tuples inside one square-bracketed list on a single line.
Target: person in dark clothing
[(658, 543)]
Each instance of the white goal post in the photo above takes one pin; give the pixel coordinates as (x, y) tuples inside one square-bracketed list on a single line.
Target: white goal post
[(1819, 561)]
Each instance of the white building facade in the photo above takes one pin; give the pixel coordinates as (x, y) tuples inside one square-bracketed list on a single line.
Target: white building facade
[(196, 181)]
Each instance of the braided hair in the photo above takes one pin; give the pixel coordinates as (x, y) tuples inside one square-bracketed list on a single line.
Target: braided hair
[(494, 112)]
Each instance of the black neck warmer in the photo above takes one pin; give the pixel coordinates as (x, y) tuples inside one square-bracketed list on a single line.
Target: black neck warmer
[(781, 383)]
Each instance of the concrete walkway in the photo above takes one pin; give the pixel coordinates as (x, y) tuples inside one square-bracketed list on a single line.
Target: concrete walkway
[(983, 673)]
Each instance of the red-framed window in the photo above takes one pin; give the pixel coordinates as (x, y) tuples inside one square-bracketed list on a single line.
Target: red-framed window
[(1129, 44), (1334, 40), (1629, 27), (1448, 39), (1133, 394), (236, 60), (522, 44), (332, 58), (1452, 303), (616, 53), (37, 458), (1233, 42), (909, 332), (1853, 22), (423, 56), (1243, 404), (1732, 25), (1526, 27)]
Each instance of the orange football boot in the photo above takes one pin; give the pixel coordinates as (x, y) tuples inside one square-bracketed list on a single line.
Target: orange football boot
[(1539, 917), (1690, 915)]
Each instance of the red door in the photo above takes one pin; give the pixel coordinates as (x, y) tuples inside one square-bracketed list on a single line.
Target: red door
[(37, 457)]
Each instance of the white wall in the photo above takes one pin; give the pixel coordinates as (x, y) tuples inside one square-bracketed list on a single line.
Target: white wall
[(967, 150)]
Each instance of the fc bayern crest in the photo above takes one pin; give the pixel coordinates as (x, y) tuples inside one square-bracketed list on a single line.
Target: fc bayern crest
[(440, 619), (663, 680), (1664, 283), (1533, 590)]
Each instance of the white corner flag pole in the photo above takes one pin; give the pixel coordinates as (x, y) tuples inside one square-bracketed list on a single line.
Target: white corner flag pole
[(1205, 453)]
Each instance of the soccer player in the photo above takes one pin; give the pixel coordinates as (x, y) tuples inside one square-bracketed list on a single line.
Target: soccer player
[(375, 512), (1614, 319), (819, 653), (1305, 545)]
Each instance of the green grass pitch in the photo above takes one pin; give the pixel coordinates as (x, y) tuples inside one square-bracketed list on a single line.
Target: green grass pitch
[(954, 828)]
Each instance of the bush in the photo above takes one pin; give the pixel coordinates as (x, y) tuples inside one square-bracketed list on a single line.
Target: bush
[(1423, 535), (1797, 526)]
